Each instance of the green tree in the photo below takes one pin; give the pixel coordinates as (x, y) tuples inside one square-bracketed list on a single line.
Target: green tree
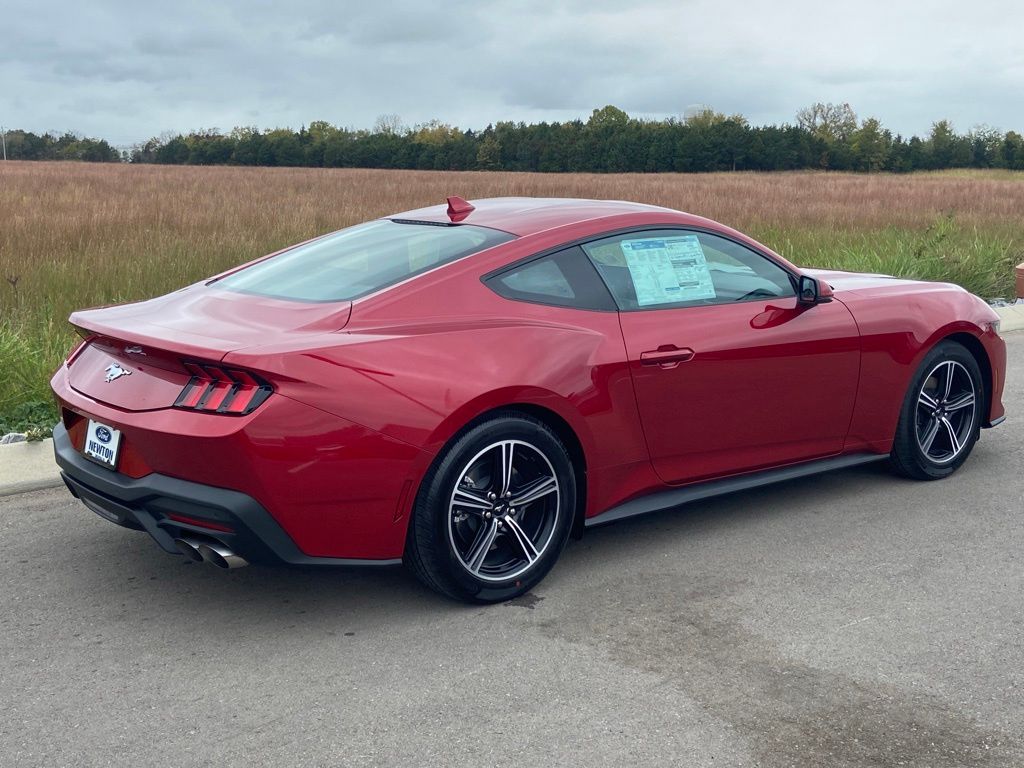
[(608, 117), (488, 155), (832, 125), (174, 152), (871, 146), (986, 147), (830, 122), (945, 148), (1013, 151)]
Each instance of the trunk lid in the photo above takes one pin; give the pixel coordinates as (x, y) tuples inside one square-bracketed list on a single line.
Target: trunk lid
[(135, 359)]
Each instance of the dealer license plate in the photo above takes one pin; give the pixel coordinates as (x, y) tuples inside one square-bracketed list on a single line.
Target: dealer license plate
[(102, 444)]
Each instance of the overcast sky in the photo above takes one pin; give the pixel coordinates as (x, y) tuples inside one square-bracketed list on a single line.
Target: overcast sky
[(126, 71)]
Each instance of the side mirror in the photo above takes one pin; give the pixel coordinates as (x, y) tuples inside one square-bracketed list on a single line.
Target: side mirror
[(813, 291)]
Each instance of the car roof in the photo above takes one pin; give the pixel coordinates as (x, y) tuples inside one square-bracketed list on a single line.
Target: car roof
[(528, 215)]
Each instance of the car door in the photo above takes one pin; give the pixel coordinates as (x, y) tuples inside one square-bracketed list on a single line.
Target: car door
[(731, 374)]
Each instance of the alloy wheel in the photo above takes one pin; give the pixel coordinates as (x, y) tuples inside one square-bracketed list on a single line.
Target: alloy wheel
[(504, 510), (946, 411)]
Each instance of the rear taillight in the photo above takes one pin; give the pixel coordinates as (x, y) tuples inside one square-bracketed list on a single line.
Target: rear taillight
[(216, 389)]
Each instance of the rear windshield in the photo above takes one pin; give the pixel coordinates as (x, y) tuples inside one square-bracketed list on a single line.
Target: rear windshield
[(360, 260)]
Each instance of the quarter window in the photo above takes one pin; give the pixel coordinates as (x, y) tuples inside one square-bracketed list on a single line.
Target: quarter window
[(679, 268), (542, 279), (563, 279)]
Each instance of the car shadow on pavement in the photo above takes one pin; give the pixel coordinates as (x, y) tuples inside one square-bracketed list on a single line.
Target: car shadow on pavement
[(777, 504), (127, 563)]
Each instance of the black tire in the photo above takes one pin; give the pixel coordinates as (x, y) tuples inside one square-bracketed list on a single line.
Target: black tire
[(953, 438), (444, 535)]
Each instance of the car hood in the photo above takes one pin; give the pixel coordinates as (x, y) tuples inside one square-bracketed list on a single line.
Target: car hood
[(848, 282)]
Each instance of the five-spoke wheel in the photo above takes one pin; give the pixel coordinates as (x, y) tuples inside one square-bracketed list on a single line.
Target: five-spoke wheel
[(946, 411), (495, 512), (503, 510), (942, 414)]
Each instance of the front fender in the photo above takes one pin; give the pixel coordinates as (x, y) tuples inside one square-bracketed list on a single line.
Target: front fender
[(899, 322)]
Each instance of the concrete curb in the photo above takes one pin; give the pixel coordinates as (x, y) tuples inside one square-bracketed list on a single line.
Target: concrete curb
[(30, 466), (27, 467), (1011, 318)]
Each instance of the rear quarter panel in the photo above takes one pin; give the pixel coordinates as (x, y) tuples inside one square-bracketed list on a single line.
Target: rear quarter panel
[(421, 384)]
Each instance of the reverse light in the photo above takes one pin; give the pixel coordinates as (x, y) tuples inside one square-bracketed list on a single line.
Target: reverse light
[(216, 389)]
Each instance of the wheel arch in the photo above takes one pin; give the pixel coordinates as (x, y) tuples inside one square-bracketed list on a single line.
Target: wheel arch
[(577, 455), (973, 345), (908, 457), (545, 407)]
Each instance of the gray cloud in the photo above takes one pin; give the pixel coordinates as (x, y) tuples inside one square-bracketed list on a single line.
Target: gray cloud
[(127, 71)]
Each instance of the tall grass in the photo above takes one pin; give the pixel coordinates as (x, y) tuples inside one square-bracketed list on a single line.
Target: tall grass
[(78, 235)]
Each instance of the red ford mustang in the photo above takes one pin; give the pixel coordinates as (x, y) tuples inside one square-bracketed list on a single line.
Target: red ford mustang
[(463, 387)]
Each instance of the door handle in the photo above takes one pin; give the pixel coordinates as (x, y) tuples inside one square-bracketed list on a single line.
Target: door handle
[(666, 356)]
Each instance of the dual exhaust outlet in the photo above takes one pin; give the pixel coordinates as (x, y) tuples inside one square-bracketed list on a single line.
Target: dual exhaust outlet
[(212, 552)]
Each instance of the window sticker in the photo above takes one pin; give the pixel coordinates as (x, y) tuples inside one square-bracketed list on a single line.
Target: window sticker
[(666, 270)]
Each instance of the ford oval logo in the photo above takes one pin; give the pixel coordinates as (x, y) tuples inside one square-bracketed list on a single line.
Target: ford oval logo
[(103, 434), (115, 371)]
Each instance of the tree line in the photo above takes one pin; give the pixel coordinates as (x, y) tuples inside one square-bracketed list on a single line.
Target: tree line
[(25, 145), (824, 136)]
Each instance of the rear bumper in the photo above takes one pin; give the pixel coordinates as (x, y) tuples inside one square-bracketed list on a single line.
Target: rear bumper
[(338, 490), (146, 503)]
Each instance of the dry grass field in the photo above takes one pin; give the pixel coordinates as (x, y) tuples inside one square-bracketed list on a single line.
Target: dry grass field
[(77, 235)]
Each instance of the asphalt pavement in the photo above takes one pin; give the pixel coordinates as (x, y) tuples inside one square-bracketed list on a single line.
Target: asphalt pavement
[(850, 619)]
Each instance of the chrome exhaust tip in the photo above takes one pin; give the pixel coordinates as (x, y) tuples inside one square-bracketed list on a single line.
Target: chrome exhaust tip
[(217, 554), (190, 549)]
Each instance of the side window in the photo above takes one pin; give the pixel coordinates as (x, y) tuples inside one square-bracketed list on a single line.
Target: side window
[(563, 279), (679, 268), (542, 279)]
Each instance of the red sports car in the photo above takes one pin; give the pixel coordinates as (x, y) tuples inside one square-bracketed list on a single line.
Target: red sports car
[(463, 387)]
